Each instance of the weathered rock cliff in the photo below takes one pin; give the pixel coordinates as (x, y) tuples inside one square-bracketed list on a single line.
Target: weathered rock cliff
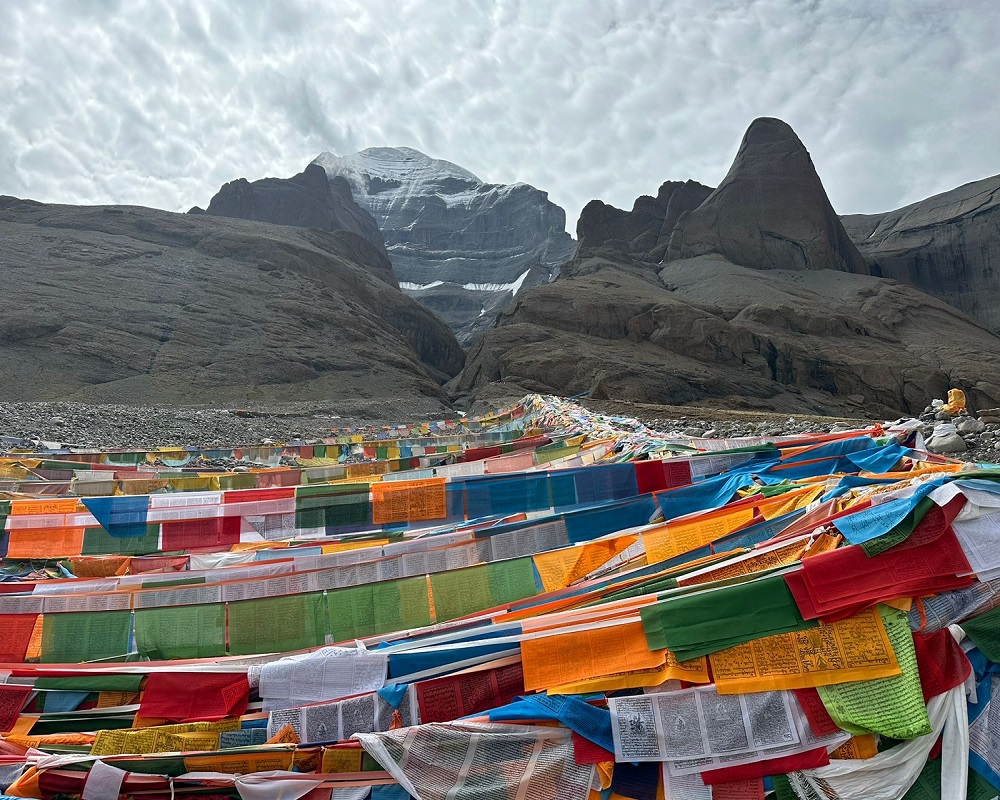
[(947, 245), (126, 304)]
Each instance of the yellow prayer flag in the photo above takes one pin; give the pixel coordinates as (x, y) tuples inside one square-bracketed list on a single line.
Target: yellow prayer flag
[(560, 568), (853, 649), (676, 538)]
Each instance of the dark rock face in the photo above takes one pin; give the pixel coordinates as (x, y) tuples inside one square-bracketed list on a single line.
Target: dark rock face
[(306, 200), (770, 211), (710, 331), (644, 232), (947, 246), (125, 304), (458, 245), (796, 326)]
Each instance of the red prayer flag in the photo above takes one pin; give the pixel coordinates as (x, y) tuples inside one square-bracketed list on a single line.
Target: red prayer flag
[(941, 662), (586, 752), (17, 630), (768, 766), (820, 721), (845, 578), (12, 699), (194, 696), (738, 790)]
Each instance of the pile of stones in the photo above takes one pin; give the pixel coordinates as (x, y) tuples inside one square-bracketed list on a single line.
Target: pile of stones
[(971, 437)]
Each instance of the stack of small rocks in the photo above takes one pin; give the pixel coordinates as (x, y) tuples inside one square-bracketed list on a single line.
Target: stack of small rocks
[(961, 434)]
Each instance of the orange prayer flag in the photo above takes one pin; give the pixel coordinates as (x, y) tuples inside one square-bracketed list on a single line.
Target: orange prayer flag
[(45, 542), (693, 671), (676, 538), (569, 657), (857, 747), (66, 505), (286, 735), (34, 651), (403, 501), (243, 763), (748, 564)]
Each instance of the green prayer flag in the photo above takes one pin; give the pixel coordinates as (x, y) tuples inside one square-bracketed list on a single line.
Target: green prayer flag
[(705, 622), (984, 630), (327, 505), (401, 604), (171, 766), (351, 612), (277, 624), (979, 788), (181, 632), (928, 783), (85, 636), (891, 707), (94, 683), (511, 580), (782, 788), (383, 607), (97, 541), (240, 480), (459, 592)]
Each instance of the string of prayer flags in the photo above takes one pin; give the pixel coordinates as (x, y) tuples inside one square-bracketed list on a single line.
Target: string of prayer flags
[(630, 609)]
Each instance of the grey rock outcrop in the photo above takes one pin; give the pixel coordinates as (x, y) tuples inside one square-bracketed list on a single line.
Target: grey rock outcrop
[(306, 200), (460, 246), (644, 232), (947, 245), (770, 211), (134, 305)]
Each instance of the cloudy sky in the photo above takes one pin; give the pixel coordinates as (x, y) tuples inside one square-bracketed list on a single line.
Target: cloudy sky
[(159, 102)]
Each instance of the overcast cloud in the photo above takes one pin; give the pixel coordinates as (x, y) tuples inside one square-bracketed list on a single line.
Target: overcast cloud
[(159, 102)]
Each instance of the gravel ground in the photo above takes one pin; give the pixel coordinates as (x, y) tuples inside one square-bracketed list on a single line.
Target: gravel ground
[(137, 427)]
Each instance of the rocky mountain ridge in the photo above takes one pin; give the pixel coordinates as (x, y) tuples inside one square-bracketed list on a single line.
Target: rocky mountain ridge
[(306, 200), (761, 299)]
